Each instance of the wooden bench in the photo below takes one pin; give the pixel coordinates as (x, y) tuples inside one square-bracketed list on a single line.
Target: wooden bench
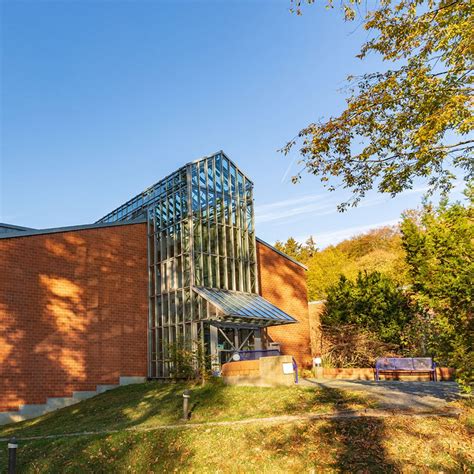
[(405, 365)]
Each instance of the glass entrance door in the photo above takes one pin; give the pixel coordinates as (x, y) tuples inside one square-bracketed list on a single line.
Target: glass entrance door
[(233, 339)]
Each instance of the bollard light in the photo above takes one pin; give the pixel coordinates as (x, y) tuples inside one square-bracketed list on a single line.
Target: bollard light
[(317, 369), (186, 397), (12, 447)]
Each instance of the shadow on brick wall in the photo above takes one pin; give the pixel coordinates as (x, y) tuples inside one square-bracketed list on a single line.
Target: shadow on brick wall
[(283, 283), (73, 312)]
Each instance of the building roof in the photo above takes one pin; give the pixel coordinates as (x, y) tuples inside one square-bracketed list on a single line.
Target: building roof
[(4, 227), (138, 203), (283, 254), (239, 307), (30, 232), (19, 231)]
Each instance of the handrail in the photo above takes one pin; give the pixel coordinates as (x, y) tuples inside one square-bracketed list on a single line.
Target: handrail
[(253, 354), (295, 368)]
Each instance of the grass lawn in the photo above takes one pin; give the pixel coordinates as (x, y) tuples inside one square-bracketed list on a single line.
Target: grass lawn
[(156, 403), (398, 443)]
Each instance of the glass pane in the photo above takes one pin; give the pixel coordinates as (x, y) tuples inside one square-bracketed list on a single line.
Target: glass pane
[(244, 305)]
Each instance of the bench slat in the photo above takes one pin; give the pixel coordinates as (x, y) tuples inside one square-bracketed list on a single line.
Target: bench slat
[(405, 364)]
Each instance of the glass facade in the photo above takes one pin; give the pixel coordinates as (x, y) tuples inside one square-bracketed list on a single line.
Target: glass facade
[(201, 236)]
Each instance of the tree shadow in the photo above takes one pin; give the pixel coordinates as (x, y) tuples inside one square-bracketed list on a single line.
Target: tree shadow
[(343, 442), (157, 451), (448, 391), (400, 395), (143, 406), (359, 444), (73, 312)]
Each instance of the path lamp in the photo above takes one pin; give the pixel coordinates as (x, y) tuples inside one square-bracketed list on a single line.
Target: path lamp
[(186, 397), (12, 447), (318, 371)]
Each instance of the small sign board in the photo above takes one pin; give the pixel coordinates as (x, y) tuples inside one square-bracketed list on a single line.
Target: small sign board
[(288, 368)]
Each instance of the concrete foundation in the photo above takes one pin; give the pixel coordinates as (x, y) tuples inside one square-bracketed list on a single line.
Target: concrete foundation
[(265, 372), (26, 412)]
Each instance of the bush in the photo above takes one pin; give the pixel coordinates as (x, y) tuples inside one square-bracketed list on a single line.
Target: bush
[(348, 345), (439, 246), (373, 302), (189, 361)]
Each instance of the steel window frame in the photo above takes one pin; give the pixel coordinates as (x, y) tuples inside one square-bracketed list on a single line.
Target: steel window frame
[(230, 263)]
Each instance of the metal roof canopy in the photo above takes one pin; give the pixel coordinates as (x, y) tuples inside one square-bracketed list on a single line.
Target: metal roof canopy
[(239, 307)]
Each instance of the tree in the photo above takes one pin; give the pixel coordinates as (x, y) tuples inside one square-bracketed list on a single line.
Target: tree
[(324, 270), (309, 249), (412, 120), (373, 302), (377, 250), (300, 252), (291, 247), (350, 345), (439, 245), (383, 238)]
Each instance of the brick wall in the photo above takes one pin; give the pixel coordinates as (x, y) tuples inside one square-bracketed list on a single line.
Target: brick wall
[(73, 312), (283, 283), (316, 309)]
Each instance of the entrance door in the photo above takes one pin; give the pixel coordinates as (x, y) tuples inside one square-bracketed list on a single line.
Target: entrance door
[(233, 339), (226, 345)]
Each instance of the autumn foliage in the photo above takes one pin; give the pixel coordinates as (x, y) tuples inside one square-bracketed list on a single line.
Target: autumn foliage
[(409, 287), (411, 120)]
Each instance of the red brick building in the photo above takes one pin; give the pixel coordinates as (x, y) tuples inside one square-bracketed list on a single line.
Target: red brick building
[(86, 307)]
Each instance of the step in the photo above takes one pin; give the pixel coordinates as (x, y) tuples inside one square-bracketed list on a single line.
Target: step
[(84, 395), (10, 417), (131, 380), (32, 411), (105, 388), (26, 412), (55, 403)]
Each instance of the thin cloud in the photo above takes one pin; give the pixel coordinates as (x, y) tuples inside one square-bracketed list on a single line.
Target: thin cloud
[(285, 174), (285, 210), (315, 205), (289, 202)]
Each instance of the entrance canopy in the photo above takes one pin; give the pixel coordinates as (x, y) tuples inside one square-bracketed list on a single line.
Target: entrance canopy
[(246, 308)]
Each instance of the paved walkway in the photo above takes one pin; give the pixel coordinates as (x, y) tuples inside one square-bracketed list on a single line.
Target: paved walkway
[(398, 395)]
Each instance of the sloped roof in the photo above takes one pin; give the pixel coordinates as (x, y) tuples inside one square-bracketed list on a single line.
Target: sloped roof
[(239, 307), (54, 230)]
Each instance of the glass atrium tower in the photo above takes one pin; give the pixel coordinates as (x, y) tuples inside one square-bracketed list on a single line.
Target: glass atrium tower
[(203, 284)]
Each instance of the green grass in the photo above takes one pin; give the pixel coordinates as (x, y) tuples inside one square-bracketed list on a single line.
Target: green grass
[(394, 444), (156, 403)]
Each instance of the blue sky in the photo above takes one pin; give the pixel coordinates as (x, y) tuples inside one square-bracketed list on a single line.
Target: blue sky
[(100, 99)]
